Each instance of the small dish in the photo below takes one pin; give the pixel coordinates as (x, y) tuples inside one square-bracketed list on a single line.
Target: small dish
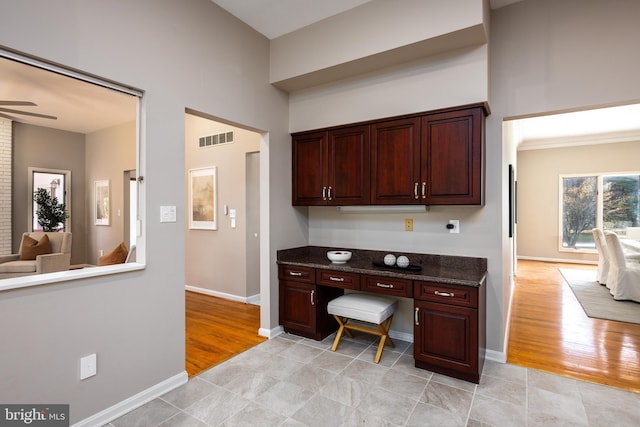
[(339, 257)]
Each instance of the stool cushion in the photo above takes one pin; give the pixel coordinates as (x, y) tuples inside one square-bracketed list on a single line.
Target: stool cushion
[(364, 307)]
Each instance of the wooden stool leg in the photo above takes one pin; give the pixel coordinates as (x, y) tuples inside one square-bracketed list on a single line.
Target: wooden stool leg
[(384, 337), (341, 321), (384, 329)]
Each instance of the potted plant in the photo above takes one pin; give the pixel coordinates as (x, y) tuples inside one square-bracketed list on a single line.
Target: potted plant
[(51, 213)]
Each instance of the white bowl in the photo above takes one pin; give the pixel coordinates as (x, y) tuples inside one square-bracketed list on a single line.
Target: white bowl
[(339, 257)]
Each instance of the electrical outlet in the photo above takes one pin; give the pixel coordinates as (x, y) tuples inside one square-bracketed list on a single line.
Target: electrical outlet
[(456, 226), (88, 366), (408, 224)]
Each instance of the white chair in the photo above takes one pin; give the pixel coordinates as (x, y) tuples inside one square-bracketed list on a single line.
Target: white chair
[(603, 256), (373, 309), (623, 280)]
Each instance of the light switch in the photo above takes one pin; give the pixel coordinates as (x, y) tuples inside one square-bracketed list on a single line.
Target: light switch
[(167, 214), (232, 213)]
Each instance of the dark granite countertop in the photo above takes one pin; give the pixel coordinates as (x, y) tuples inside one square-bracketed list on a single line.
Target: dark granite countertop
[(455, 270)]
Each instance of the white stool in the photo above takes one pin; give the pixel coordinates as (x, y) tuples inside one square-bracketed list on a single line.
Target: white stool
[(365, 308)]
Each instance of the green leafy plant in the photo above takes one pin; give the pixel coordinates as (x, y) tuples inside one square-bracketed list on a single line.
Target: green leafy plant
[(51, 213)]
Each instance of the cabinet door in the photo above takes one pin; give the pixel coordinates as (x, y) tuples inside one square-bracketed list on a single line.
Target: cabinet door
[(309, 153), (349, 180), (395, 166), (446, 339), (297, 307), (452, 157)]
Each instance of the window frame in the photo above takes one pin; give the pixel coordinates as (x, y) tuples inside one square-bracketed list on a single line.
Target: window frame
[(140, 263), (599, 204)]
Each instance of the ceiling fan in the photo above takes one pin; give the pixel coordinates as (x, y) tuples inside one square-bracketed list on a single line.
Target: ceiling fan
[(4, 110)]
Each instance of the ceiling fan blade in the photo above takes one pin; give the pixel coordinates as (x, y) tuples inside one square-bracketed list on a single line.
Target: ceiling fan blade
[(18, 103), (6, 116), (26, 113)]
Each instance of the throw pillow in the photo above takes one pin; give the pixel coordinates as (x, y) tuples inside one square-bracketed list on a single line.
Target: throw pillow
[(116, 256), (31, 247)]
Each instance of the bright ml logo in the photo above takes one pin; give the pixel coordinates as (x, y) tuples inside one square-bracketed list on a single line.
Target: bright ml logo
[(34, 415)]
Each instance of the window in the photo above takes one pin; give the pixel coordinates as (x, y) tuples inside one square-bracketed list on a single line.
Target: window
[(607, 201)]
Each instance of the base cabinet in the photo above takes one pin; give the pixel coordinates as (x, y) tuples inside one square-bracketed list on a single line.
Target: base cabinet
[(449, 335), (303, 305)]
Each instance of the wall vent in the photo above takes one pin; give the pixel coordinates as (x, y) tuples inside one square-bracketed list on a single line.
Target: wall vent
[(217, 139)]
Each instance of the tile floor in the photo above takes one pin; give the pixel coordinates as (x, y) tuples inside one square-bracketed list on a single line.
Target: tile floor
[(291, 381)]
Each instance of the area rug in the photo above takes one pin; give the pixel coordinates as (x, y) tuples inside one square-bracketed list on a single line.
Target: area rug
[(596, 300)]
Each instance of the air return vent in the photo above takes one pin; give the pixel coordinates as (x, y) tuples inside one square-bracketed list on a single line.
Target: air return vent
[(217, 139)]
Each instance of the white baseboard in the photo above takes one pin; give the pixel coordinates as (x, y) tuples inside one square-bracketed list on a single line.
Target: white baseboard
[(271, 333), (495, 356), (570, 261), (254, 299), (133, 402), (402, 336)]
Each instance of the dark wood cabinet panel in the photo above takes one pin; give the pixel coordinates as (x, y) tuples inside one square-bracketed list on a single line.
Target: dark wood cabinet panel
[(338, 279), (297, 311), (395, 154), (303, 304), (349, 166), (449, 329), (309, 153), (332, 167), (388, 285), (446, 339), (452, 157)]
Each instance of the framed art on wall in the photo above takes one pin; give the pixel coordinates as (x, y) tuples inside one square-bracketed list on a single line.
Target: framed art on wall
[(101, 202), (203, 199)]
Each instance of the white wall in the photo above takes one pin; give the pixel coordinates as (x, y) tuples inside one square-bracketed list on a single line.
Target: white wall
[(216, 260), (538, 191), (108, 153), (135, 321)]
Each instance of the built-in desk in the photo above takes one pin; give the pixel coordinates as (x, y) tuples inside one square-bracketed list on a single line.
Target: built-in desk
[(448, 293)]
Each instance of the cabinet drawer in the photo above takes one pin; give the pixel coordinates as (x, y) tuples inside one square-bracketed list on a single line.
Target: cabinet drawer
[(463, 296), (338, 279), (387, 285), (295, 273)]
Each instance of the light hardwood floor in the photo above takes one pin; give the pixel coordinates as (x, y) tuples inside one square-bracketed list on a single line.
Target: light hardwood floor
[(550, 331), (217, 329)]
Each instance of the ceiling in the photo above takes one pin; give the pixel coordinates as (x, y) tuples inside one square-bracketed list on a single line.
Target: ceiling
[(273, 18), (79, 106)]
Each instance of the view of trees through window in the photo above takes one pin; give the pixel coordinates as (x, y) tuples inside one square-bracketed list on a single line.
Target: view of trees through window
[(610, 202)]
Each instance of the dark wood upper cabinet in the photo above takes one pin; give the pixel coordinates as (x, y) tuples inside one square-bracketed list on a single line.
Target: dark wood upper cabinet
[(332, 167), (395, 162), (432, 158), (309, 153), (349, 166), (452, 157)]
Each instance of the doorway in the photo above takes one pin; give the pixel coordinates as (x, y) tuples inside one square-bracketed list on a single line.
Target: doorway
[(222, 257)]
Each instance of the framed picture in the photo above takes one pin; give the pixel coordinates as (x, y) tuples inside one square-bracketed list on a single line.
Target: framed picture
[(101, 202), (203, 192)]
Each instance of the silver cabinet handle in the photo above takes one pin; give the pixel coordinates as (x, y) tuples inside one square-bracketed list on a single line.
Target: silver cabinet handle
[(384, 285), (336, 279), (444, 294), (329, 192), (415, 316), (424, 190), (415, 190), (324, 193), (312, 298), (295, 273)]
